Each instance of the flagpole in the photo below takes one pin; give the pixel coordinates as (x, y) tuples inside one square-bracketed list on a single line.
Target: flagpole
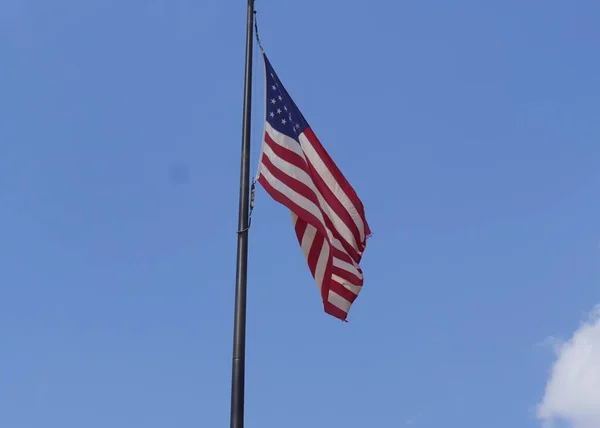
[(239, 328)]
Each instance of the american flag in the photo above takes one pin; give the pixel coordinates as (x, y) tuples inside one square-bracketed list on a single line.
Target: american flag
[(329, 218)]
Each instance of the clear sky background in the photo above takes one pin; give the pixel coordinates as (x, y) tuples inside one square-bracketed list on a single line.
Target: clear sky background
[(470, 130)]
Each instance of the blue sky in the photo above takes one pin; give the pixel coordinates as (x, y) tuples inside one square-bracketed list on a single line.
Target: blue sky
[(469, 129)]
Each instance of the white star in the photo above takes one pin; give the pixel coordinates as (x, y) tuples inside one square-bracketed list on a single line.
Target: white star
[(285, 108), (274, 87), (297, 126), (284, 121), (280, 97), (272, 114), (278, 111), (273, 101)]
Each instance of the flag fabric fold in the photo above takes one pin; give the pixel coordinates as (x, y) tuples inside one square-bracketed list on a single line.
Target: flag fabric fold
[(327, 214)]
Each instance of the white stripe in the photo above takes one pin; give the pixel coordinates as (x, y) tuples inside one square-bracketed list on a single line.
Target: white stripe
[(337, 300), (351, 287), (307, 239), (322, 264), (299, 174), (347, 267), (290, 169), (284, 141), (338, 246), (300, 200), (313, 157)]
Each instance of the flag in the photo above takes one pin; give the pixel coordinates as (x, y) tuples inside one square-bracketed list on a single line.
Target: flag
[(328, 217)]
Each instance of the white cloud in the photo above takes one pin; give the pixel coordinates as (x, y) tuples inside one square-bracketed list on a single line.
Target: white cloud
[(572, 395)]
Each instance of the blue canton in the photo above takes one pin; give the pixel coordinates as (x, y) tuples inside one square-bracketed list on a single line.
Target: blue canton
[(282, 112)]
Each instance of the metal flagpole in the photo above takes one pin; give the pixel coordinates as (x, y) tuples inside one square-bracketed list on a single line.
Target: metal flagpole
[(239, 328)]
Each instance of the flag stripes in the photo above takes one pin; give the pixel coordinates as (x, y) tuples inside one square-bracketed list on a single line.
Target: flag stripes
[(328, 217)]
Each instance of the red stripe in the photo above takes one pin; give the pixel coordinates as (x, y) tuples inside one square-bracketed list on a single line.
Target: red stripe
[(352, 251), (348, 276), (301, 188), (296, 160), (354, 279), (300, 229), (286, 154), (291, 182), (314, 253), (312, 260), (301, 213), (337, 207), (337, 174), (293, 158), (335, 311), (327, 278), (338, 288), (343, 256), (292, 206)]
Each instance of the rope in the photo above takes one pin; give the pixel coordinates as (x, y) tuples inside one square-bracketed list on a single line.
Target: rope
[(256, 32), (252, 193), (253, 187)]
